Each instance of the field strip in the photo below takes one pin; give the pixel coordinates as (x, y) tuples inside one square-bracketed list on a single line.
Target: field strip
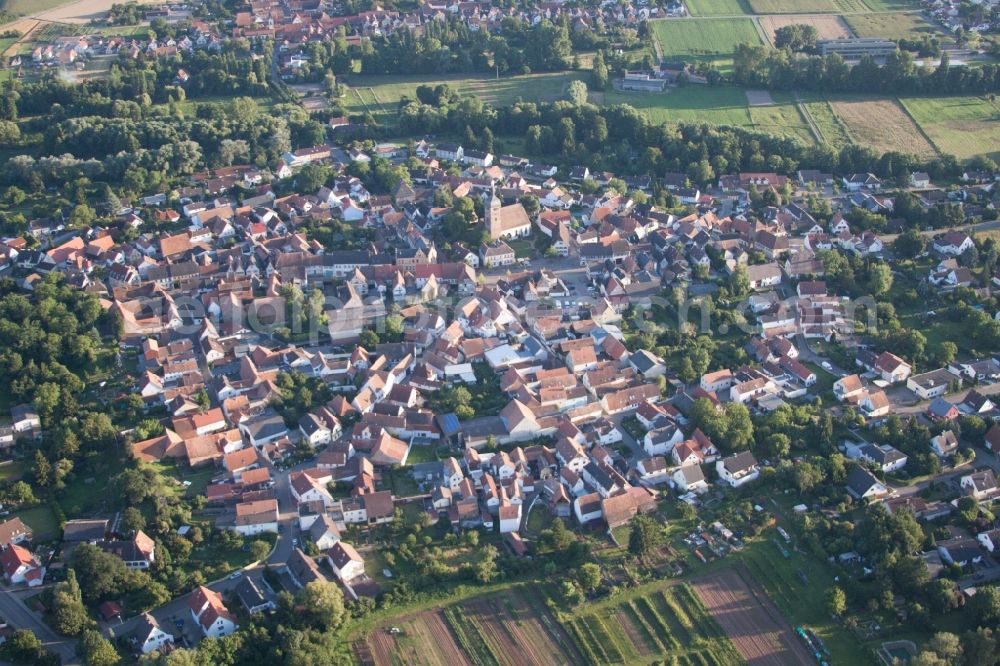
[(813, 127), (919, 127)]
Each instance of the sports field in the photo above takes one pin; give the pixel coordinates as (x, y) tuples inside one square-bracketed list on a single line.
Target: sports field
[(960, 126), (717, 7), (890, 26), (711, 40), (806, 6), (883, 125), (381, 94)]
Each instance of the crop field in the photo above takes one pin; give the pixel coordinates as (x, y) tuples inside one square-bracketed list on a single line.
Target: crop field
[(717, 7), (25, 7), (711, 40), (508, 629), (960, 126), (832, 130), (890, 26), (381, 94), (692, 104), (827, 27), (782, 119), (750, 620), (883, 125), (669, 625), (806, 6)]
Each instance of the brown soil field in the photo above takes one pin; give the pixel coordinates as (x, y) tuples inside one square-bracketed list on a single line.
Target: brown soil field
[(750, 620), (510, 628), (425, 639), (517, 634), (23, 26), (827, 27), (883, 125)]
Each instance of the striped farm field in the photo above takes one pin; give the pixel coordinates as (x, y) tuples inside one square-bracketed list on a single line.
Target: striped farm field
[(668, 625), (891, 26), (883, 125), (807, 6)]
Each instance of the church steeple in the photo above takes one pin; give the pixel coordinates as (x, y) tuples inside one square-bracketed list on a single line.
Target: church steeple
[(493, 221)]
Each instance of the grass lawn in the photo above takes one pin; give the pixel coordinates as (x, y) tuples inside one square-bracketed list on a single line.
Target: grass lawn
[(381, 94), (42, 521), (539, 519), (711, 40), (13, 470), (824, 381), (523, 249), (420, 453), (890, 26), (692, 104), (717, 7), (961, 126)]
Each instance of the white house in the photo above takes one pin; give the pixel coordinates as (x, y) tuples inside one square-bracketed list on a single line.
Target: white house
[(20, 566), (661, 442), (210, 613), (690, 478), (345, 561), (256, 517), (738, 469), (510, 517), (149, 637)]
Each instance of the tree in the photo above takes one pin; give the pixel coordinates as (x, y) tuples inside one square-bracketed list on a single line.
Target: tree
[(985, 606), (739, 427), (323, 603), (879, 279), (589, 576), (945, 352), (836, 601), (571, 593), (909, 244), (69, 615), (95, 650), (132, 520), (578, 93), (104, 573), (645, 536), (486, 564), (739, 282), (23, 647), (260, 550)]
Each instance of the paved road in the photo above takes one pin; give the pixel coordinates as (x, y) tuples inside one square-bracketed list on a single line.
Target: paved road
[(20, 616)]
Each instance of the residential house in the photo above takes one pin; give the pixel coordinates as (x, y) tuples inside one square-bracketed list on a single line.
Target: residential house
[(738, 469)]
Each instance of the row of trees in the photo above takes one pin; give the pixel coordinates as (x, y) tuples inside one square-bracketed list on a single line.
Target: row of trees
[(758, 66)]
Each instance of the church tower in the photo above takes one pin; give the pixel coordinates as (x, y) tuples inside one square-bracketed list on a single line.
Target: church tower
[(493, 221)]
